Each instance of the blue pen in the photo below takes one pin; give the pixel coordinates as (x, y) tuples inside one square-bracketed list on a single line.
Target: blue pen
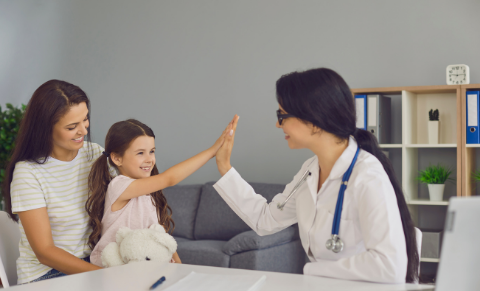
[(160, 281)]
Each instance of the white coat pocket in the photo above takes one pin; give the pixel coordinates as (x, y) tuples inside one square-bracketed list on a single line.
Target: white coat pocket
[(322, 231)]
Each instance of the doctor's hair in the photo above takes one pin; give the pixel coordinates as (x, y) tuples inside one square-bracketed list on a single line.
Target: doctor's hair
[(119, 138), (322, 98), (34, 141)]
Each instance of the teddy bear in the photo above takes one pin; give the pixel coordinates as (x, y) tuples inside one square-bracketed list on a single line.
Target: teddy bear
[(139, 245)]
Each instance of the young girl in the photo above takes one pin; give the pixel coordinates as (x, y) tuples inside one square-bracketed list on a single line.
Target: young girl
[(134, 198)]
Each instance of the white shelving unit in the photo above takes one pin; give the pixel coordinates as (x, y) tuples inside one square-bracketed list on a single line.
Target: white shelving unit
[(410, 151), (415, 108)]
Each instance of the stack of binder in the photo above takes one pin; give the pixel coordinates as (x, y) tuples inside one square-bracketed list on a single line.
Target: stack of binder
[(373, 114), (473, 118)]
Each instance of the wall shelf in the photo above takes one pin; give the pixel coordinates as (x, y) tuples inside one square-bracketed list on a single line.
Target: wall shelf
[(452, 145), (390, 146), (427, 202), (409, 150), (430, 260)]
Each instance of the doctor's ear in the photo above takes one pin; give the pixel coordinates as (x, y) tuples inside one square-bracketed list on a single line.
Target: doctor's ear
[(316, 129), (116, 159)]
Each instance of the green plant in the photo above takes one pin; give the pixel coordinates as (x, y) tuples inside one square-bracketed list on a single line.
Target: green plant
[(433, 115), (9, 125), (435, 175), (476, 175)]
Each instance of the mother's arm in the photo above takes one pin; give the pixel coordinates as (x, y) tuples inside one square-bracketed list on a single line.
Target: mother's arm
[(39, 234), (264, 218)]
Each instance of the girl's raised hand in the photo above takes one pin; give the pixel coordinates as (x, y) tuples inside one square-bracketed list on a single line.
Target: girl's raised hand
[(225, 151), (221, 139)]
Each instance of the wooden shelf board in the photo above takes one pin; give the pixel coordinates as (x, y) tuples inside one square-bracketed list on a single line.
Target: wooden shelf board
[(473, 145), (427, 202), (390, 146), (471, 86), (430, 260), (444, 145), (413, 89)]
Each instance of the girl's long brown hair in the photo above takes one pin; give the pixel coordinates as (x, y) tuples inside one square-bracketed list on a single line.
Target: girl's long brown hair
[(34, 140), (119, 138)]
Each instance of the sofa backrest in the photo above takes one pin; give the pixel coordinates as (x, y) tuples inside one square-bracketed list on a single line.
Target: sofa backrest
[(183, 200), (216, 220)]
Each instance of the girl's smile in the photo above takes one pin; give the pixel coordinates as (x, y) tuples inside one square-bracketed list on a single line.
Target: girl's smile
[(138, 160)]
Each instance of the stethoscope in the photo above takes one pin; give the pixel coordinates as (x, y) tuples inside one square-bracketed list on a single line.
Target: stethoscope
[(335, 244)]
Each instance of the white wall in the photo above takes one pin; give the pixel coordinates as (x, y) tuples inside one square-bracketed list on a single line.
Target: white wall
[(185, 67)]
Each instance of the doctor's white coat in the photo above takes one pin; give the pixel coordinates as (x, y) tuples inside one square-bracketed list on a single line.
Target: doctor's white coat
[(370, 227)]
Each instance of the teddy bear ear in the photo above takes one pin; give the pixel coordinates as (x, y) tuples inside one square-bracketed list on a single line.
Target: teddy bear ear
[(122, 233), (157, 227), (166, 240)]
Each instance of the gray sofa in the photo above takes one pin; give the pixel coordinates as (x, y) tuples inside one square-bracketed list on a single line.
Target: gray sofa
[(209, 233)]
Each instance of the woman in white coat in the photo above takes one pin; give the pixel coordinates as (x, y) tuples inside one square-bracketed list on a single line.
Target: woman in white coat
[(317, 112)]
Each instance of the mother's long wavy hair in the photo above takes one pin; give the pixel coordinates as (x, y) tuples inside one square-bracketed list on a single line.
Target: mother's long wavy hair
[(34, 142), (119, 138), (321, 97)]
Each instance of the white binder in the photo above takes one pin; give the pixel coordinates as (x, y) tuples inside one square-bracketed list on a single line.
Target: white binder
[(361, 110)]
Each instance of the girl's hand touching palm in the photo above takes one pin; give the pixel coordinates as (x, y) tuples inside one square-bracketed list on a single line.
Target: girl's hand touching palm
[(225, 151)]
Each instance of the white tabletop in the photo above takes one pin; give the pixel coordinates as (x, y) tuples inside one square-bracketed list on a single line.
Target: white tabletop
[(140, 276)]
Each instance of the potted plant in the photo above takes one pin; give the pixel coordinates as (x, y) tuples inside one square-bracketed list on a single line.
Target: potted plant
[(435, 178), (476, 176), (433, 126), (9, 125)]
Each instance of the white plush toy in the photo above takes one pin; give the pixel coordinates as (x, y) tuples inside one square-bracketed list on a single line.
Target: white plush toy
[(139, 245)]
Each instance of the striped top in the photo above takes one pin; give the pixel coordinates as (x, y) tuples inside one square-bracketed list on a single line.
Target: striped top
[(61, 187)]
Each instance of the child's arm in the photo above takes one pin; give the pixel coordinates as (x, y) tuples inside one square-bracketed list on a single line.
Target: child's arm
[(176, 258), (172, 176)]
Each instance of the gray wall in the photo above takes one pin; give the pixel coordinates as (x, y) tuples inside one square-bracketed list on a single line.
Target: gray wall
[(186, 67)]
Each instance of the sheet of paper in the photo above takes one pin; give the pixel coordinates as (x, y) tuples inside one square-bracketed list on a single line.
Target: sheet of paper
[(213, 282)]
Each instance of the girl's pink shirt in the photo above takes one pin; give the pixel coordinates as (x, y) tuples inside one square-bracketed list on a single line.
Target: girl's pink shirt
[(139, 213)]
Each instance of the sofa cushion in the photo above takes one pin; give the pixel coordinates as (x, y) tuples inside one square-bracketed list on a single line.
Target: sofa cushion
[(183, 200), (250, 240), (202, 252), (287, 258), (216, 220)]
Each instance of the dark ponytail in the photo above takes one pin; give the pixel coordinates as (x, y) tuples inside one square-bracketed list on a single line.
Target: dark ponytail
[(321, 97), (368, 142), (98, 181)]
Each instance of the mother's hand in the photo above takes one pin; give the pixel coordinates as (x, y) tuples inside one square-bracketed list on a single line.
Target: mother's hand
[(224, 153)]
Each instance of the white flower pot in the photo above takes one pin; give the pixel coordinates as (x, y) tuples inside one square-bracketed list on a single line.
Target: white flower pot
[(433, 127), (436, 191)]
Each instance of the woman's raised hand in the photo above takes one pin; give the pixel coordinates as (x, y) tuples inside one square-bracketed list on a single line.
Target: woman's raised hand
[(225, 151)]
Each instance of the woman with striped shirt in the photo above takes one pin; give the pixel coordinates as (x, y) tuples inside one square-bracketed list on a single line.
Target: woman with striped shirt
[(46, 183)]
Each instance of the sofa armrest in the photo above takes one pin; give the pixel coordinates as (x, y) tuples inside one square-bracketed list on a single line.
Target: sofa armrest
[(249, 240)]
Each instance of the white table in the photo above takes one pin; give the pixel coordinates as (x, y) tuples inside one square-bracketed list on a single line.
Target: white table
[(140, 276)]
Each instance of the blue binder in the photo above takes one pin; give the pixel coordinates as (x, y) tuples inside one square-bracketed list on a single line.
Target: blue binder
[(361, 109), (473, 117)]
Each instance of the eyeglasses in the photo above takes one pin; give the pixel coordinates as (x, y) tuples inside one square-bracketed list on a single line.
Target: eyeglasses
[(281, 116)]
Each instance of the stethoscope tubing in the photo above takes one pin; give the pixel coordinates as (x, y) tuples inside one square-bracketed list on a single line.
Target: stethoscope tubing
[(295, 188), (341, 194), (334, 244)]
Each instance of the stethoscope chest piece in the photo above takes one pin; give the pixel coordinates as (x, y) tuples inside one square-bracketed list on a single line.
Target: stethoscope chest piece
[(335, 244)]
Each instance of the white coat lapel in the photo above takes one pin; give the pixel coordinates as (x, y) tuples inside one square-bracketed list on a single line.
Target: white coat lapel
[(313, 180)]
